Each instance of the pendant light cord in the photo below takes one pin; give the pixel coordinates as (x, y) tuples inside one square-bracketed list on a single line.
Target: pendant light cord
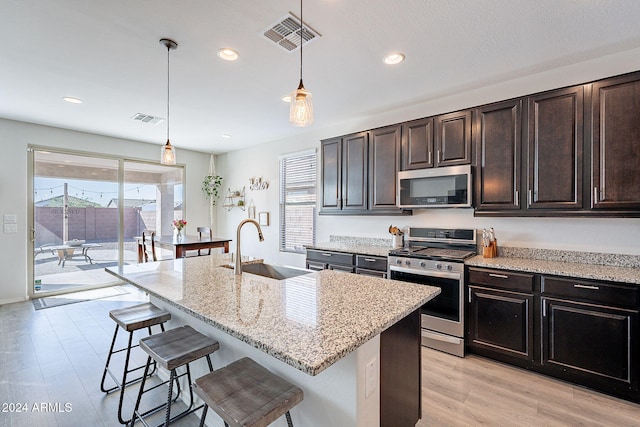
[(168, 70), (301, 41)]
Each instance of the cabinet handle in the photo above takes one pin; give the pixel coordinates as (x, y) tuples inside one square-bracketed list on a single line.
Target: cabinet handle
[(469, 295), (438, 156), (517, 197), (544, 308), (429, 157), (595, 288), (326, 254), (530, 198), (369, 259), (499, 276), (595, 194)]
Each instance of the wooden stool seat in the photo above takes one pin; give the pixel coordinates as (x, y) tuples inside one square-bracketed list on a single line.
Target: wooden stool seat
[(139, 316), (246, 394), (178, 347)]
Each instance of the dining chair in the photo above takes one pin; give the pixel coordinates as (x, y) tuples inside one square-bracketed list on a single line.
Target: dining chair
[(149, 245), (203, 231)]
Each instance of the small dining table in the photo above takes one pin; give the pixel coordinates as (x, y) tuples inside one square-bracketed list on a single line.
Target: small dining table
[(184, 244)]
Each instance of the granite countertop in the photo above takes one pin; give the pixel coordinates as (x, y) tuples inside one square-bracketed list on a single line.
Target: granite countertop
[(560, 268), (309, 322)]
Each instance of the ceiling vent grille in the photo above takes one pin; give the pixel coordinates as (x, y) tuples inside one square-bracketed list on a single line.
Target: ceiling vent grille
[(286, 33), (146, 118)]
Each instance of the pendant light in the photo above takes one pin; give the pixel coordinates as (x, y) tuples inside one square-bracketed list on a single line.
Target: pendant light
[(168, 156), (301, 107)]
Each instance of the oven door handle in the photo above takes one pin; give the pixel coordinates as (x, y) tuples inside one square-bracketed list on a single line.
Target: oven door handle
[(443, 338), (430, 273)]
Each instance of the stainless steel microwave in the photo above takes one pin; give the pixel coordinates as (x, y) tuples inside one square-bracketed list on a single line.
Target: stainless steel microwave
[(446, 187)]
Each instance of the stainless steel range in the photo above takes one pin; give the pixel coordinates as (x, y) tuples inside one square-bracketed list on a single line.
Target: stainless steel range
[(435, 257)]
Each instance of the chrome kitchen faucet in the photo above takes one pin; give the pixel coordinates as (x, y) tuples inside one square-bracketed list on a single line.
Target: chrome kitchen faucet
[(238, 265)]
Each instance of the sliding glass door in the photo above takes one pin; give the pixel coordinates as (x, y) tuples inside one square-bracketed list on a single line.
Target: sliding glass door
[(87, 210)]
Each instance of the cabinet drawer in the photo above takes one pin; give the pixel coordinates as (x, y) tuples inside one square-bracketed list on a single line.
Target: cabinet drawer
[(316, 266), (603, 293), (502, 279), (371, 262), (329, 257), (345, 268), (374, 273)]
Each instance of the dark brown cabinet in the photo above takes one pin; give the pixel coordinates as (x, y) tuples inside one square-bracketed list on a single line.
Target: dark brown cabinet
[(437, 141), (555, 149), (370, 265), (500, 315), (384, 163), (323, 260), (417, 144), (453, 138), (590, 334), (616, 141), (344, 170), (498, 141)]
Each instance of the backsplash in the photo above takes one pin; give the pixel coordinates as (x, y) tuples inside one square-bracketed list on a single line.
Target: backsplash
[(616, 260), (361, 241)]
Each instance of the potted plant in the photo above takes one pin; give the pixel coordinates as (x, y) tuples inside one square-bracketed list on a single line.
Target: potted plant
[(211, 187)]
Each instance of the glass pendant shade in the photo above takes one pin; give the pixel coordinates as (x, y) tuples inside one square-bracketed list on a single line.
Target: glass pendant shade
[(301, 107), (168, 156)]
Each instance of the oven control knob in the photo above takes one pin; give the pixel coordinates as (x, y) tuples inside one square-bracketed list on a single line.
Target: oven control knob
[(398, 261), (439, 266), (407, 262), (423, 264), (449, 267)]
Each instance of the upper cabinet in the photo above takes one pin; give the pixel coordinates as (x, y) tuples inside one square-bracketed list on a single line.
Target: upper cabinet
[(417, 144), (344, 173), (498, 140), (359, 172), (384, 163), (453, 139), (555, 149), (437, 141), (616, 143)]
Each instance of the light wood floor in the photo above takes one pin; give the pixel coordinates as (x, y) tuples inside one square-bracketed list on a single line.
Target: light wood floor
[(56, 356), (475, 391)]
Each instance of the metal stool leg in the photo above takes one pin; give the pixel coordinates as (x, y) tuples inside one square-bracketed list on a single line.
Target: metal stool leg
[(204, 415), (289, 422), (106, 367)]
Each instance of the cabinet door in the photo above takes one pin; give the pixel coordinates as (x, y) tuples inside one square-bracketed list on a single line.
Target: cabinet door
[(453, 139), (417, 144), (384, 162), (331, 171), (498, 145), (554, 148), (355, 171), (500, 323), (616, 138), (593, 345)]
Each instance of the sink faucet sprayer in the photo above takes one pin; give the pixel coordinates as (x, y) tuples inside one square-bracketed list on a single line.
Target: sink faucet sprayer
[(238, 265)]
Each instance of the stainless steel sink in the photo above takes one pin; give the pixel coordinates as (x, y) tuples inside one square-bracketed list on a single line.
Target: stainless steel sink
[(272, 271)]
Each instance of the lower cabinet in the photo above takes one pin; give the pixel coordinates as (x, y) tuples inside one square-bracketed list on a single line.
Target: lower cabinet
[(582, 331), (351, 263)]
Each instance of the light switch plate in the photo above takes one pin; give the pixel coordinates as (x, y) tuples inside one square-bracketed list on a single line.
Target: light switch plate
[(10, 218), (11, 228)]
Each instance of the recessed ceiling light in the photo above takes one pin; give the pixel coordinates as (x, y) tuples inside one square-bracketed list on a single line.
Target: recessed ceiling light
[(72, 100), (228, 54), (226, 135), (286, 98), (394, 58)]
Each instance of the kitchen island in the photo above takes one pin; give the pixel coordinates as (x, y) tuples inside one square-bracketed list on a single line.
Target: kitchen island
[(351, 342)]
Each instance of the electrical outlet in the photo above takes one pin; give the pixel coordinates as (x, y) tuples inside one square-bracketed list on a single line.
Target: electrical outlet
[(11, 228), (10, 218), (370, 378)]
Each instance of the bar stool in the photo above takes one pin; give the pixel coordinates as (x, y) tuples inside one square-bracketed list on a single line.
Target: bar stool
[(171, 350), (131, 319), (246, 394)]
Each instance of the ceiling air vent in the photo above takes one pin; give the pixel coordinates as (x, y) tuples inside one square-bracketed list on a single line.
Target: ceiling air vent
[(286, 33), (146, 118)]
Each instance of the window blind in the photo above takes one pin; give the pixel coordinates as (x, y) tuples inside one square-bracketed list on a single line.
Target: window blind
[(297, 201)]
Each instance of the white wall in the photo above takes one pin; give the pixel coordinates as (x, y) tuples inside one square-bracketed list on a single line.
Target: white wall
[(582, 234), (16, 136)]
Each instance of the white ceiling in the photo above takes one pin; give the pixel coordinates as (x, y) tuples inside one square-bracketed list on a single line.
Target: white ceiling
[(107, 54)]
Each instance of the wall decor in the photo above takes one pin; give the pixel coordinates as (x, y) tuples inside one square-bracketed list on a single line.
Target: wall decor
[(251, 212), (263, 218), (258, 184)]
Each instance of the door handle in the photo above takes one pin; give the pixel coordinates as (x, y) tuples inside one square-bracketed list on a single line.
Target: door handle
[(499, 276), (595, 288), (33, 234)]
